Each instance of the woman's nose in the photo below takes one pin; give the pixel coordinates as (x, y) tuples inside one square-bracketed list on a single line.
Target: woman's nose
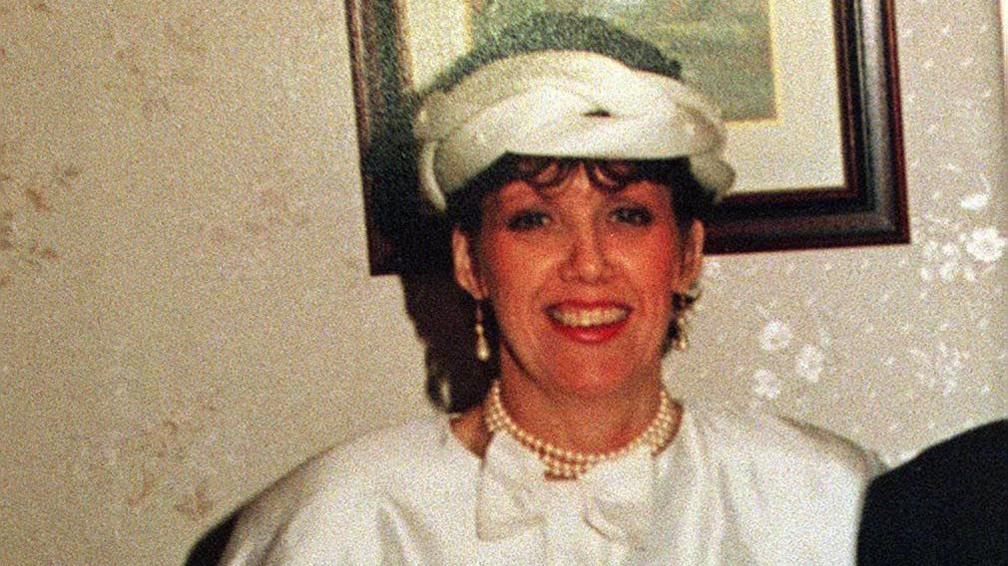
[(588, 259)]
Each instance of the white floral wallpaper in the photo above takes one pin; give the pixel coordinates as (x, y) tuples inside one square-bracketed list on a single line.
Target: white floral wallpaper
[(185, 310), (898, 346)]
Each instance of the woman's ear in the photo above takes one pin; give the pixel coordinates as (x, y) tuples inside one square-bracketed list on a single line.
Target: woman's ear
[(464, 261), (692, 258)]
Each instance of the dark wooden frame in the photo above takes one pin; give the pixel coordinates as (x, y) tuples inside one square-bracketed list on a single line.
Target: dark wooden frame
[(870, 208)]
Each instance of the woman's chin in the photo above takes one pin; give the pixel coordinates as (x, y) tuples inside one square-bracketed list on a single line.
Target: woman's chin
[(593, 361), (595, 378)]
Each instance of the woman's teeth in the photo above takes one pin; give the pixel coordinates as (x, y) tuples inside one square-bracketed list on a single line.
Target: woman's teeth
[(589, 317)]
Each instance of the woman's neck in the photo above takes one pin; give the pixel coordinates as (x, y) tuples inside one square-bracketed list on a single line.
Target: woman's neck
[(471, 430), (591, 423)]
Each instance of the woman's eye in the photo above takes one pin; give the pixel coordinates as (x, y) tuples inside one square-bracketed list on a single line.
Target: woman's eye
[(528, 220), (634, 215)]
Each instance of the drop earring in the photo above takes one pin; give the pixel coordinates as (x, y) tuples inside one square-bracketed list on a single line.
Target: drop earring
[(680, 342), (482, 345), (682, 304)]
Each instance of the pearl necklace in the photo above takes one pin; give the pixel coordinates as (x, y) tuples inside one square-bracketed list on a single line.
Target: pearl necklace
[(571, 464)]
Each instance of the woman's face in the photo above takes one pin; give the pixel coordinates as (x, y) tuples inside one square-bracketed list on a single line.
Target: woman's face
[(580, 278)]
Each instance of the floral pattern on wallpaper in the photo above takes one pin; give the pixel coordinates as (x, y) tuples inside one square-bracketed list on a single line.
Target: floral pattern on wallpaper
[(960, 238), (156, 458), (27, 201), (902, 345)]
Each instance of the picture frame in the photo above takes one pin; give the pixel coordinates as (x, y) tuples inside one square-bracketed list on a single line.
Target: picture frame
[(863, 202)]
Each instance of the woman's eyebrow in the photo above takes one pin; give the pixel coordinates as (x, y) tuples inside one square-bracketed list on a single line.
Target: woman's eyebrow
[(518, 193)]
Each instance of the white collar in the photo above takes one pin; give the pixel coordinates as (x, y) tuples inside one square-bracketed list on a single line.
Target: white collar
[(616, 497)]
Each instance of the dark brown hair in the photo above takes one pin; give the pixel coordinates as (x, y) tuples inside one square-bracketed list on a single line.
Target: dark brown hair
[(689, 199)]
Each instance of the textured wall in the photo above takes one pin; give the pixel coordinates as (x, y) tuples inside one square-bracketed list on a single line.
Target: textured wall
[(894, 346), (185, 311)]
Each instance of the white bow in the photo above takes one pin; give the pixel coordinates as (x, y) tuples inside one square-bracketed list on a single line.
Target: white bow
[(616, 497)]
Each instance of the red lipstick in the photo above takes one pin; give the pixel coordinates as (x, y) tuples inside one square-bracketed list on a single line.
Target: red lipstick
[(590, 334)]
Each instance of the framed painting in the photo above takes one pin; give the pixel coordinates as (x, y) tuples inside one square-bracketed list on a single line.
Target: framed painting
[(809, 91)]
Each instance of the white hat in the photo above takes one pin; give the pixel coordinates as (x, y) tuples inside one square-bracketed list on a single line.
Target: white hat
[(565, 104)]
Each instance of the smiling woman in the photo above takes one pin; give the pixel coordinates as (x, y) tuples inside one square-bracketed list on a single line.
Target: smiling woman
[(575, 177), (582, 267), (586, 250)]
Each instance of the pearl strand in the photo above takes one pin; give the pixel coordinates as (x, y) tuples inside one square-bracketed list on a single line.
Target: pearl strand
[(572, 464)]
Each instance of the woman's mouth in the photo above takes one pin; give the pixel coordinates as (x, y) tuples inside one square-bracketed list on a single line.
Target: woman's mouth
[(590, 324)]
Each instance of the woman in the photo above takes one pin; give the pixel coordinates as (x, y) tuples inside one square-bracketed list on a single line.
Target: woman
[(575, 177)]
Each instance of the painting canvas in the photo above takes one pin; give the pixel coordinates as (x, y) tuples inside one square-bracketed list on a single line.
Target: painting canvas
[(724, 46)]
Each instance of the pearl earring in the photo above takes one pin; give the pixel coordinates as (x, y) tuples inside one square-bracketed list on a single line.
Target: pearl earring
[(682, 303), (680, 342), (482, 345)]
